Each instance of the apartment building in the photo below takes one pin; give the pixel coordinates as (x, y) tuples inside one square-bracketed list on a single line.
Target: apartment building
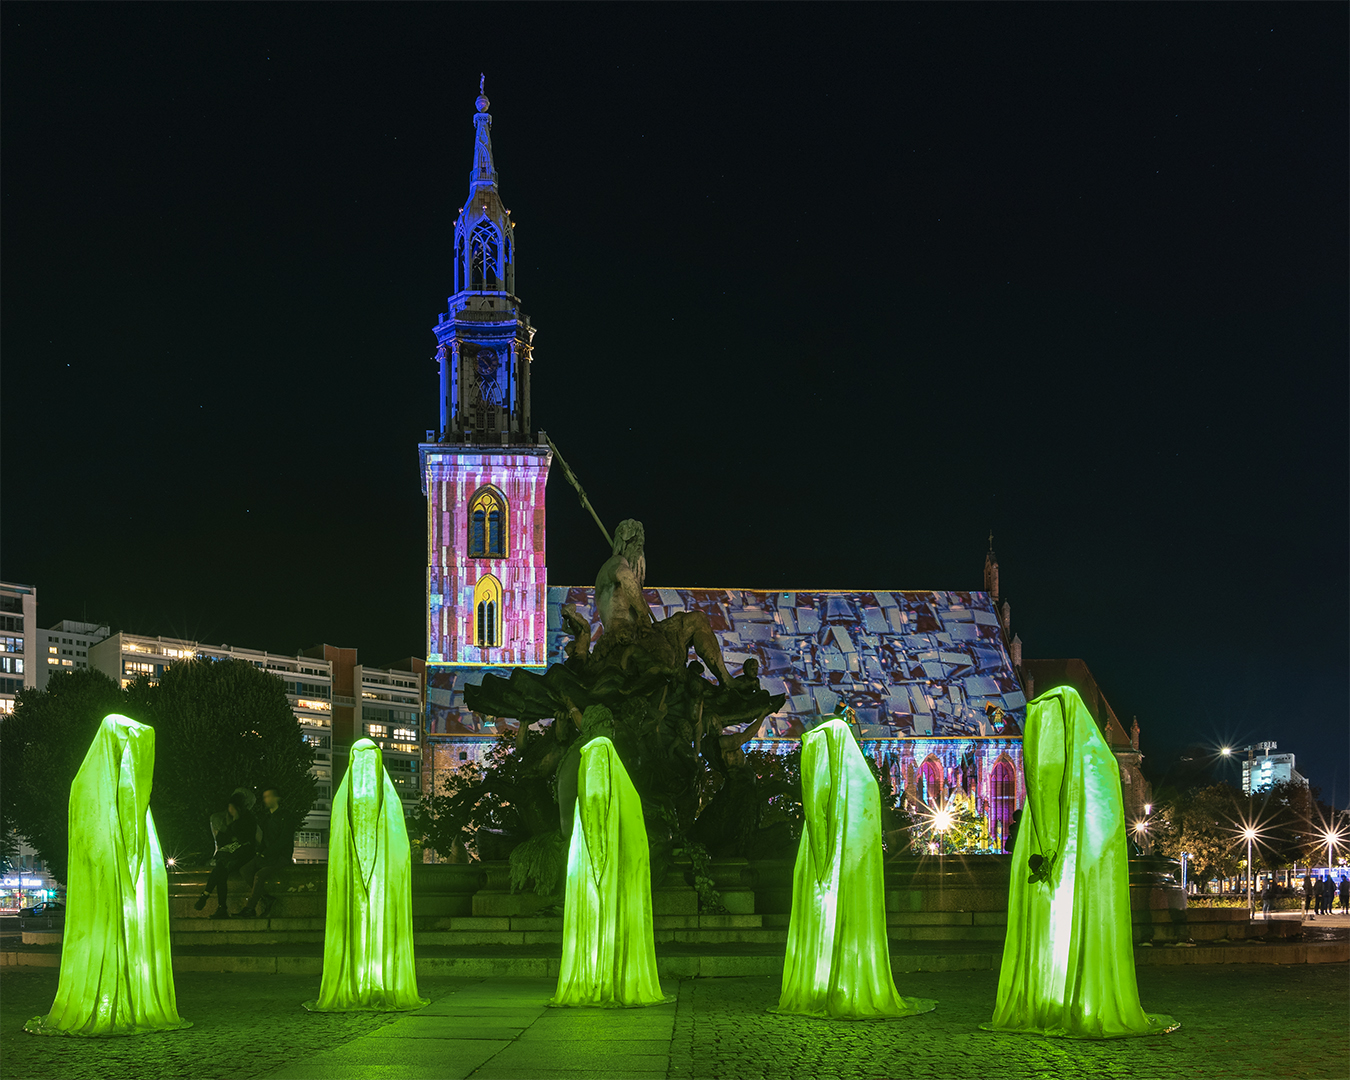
[(388, 712), (65, 647), (18, 642)]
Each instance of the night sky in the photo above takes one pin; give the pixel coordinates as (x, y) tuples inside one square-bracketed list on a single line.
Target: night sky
[(823, 295)]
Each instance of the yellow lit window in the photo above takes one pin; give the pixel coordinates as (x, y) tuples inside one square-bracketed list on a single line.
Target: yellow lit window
[(487, 609), (487, 524)]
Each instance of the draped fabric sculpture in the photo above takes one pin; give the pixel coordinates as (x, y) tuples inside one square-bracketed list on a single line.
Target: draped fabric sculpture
[(1068, 960), (609, 955), (368, 936), (838, 958), (116, 970)]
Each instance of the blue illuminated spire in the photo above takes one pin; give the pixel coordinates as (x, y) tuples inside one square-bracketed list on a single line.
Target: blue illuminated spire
[(483, 173), (484, 341), (484, 246)]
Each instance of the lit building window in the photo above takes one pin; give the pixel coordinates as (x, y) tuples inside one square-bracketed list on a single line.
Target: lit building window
[(487, 606), (376, 729), (1002, 797), (930, 775), (487, 524)]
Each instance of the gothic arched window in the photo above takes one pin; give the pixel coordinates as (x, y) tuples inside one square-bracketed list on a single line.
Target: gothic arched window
[(487, 525), (1002, 796), (487, 612), (483, 249), (930, 777)]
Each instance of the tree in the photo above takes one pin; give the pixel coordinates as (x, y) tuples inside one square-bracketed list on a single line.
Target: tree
[(219, 725), (1205, 823), (1282, 815), (42, 745), (9, 847)]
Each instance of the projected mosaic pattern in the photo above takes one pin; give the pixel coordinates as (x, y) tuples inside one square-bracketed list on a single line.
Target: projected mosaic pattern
[(910, 663)]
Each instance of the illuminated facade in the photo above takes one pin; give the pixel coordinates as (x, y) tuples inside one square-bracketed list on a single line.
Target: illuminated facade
[(484, 470), (917, 668), (1269, 769)]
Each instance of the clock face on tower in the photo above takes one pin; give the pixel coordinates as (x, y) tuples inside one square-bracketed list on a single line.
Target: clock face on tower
[(486, 367)]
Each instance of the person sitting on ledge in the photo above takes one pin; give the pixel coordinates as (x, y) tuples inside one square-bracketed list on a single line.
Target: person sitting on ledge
[(236, 844), (278, 850)]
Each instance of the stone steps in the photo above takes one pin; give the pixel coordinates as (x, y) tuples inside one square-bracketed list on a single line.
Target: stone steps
[(1161, 927), (676, 960)]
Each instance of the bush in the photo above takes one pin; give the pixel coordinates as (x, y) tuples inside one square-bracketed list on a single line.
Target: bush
[(541, 860)]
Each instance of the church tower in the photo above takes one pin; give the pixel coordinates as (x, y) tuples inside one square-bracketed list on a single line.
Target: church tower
[(484, 470)]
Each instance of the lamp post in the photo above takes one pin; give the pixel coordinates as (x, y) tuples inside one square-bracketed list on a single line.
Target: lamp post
[(1331, 834), (1249, 834), (1227, 751)]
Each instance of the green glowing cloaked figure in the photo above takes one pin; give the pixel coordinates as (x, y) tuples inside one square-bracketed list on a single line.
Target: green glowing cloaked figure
[(609, 952), (838, 964), (368, 935), (1068, 960), (116, 968)]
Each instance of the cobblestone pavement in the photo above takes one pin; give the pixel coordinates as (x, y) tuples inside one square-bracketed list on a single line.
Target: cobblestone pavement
[(1239, 1022)]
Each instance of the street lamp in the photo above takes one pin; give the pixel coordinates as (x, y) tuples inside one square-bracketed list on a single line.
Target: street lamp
[(1249, 834), (1332, 836), (1141, 835)]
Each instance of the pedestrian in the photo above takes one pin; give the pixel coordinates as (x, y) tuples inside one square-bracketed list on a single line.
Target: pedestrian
[(277, 840), (235, 845), (1328, 895), (1345, 894), (1267, 898), (1308, 894)]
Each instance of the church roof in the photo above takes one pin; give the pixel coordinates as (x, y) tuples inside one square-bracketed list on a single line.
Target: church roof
[(909, 663), (1045, 675)]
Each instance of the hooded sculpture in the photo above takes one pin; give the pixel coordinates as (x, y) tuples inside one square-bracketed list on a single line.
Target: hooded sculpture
[(368, 936), (609, 955), (838, 962), (1068, 960), (116, 970)]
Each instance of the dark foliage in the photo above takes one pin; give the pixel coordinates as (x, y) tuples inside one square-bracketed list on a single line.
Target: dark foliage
[(42, 744)]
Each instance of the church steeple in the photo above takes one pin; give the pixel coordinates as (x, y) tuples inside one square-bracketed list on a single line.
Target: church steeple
[(484, 342), (484, 471)]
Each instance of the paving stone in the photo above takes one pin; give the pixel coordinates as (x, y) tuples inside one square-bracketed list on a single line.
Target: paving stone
[(1239, 1022), (452, 1027)]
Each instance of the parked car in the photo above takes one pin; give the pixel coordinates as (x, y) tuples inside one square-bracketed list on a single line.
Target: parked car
[(50, 907)]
